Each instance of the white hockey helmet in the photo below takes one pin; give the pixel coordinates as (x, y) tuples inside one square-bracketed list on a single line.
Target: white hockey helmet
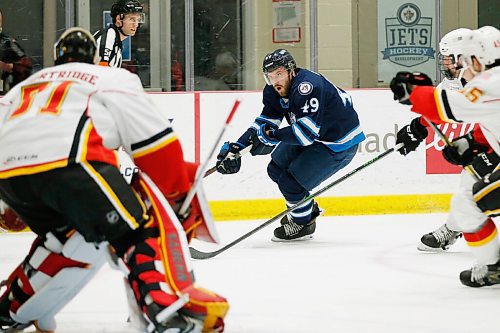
[(450, 49), (484, 45)]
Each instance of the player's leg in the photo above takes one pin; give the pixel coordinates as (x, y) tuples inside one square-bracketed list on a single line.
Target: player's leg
[(297, 171), (481, 235), (447, 234), (483, 241), (57, 266), (151, 242), (96, 200)]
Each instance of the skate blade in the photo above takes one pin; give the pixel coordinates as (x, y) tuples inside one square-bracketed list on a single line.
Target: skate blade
[(303, 238), (424, 248)]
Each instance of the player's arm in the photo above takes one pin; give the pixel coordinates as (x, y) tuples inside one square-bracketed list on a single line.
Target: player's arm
[(269, 118), (146, 134), (305, 130), (229, 158), (450, 106)]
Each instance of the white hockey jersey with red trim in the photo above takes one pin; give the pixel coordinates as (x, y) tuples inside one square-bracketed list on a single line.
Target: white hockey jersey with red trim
[(478, 103), (77, 112)]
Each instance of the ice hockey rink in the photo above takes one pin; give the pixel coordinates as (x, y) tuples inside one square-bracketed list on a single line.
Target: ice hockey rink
[(359, 274)]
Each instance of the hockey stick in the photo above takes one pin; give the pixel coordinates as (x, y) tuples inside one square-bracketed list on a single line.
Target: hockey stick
[(196, 254), (214, 168), (201, 168), (448, 143)]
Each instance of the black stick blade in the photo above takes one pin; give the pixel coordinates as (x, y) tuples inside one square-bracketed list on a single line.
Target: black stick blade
[(195, 254)]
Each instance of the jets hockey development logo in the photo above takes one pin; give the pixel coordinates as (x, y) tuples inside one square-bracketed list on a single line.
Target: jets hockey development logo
[(408, 37)]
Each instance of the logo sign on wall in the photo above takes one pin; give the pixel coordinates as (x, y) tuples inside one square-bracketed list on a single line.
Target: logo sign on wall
[(406, 37), (434, 161)]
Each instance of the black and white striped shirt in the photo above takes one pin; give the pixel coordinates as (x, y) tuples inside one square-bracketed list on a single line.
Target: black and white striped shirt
[(110, 46)]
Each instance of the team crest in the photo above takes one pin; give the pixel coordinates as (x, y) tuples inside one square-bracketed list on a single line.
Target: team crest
[(305, 88), (408, 37)]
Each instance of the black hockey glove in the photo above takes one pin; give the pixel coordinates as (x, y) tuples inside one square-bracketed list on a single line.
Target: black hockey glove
[(464, 150), (489, 199), (485, 163), (263, 140), (229, 158), (411, 135), (402, 85)]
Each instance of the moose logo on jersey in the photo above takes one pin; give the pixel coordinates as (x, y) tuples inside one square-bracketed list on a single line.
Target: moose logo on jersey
[(408, 37)]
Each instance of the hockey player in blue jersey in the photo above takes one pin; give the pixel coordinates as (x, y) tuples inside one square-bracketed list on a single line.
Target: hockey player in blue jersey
[(322, 138)]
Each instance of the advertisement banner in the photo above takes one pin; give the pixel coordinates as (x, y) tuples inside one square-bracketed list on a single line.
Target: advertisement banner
[(434, 161), (406, 38)]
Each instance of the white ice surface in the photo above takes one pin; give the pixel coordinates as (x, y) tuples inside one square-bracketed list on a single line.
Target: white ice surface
[(359, 274)]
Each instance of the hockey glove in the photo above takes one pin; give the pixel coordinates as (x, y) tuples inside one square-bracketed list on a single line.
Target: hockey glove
[(229, 159), (486, 194), (264, 140), (485, 163), (402, 85), (411, 135), (463, 150)]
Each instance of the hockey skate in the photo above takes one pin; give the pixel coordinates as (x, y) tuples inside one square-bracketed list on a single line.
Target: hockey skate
[(439, 240), (291, 231), (481, 275), (317, 211)]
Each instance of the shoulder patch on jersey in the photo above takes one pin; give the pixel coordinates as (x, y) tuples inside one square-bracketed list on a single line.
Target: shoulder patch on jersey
[(305, 88)]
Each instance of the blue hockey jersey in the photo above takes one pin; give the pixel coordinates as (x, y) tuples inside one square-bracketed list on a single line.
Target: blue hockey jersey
[(316, 110)]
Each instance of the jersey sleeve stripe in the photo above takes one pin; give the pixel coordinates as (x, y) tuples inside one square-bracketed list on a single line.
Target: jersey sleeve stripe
[(443, 106), (145, 150), (154, 138), (271, 121), (310, 125), (301, 137)]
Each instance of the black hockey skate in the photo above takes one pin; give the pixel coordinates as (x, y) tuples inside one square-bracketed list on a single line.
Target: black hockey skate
[(439, 240), (316, 211), (291, 231), (481, 275)]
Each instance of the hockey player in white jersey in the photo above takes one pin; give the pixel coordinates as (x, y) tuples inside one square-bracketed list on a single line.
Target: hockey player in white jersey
[(450, 50), (479, 201), (59, 130), (127, 17), (455, 78)]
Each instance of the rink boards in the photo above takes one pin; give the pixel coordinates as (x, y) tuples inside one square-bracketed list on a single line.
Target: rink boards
[(393, 185)]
